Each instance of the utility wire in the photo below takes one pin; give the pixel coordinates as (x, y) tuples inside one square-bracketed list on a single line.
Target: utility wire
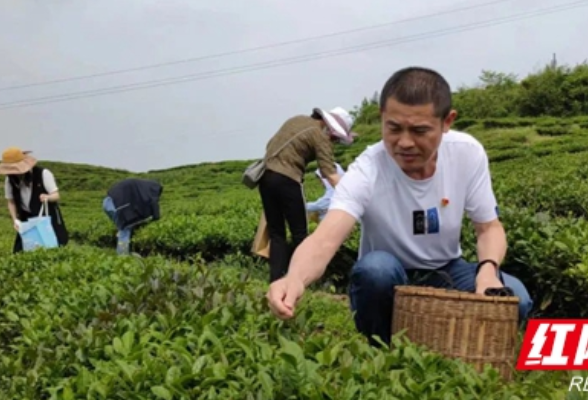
[(291, 60), (252, 49)]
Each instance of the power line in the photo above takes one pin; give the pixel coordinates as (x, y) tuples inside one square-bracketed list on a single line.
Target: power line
[(289, 61), (252, 49), (140, 143)]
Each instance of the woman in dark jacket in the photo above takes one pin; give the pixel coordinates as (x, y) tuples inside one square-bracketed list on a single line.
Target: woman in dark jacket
[(27, 188), (300, 140)]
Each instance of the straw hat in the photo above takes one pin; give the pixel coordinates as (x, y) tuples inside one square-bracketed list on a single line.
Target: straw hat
[(16, 162), (339, 122)]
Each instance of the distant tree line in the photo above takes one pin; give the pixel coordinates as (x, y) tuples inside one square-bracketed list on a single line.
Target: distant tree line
[(555, 90)]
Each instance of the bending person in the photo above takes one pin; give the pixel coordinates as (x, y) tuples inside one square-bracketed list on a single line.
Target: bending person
[(300, 140), (130, 203)]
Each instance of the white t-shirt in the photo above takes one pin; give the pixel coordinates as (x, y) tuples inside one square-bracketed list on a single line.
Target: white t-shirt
[(377, 193), (26, 191)]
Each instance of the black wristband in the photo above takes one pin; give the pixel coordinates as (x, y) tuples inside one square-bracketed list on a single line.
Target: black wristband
[(481, 263)]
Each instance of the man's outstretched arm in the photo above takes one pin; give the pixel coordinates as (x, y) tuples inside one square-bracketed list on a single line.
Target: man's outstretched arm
[(311, 258)]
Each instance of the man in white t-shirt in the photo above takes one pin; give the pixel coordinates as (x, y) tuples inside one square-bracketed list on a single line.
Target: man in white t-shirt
[(409, 191)]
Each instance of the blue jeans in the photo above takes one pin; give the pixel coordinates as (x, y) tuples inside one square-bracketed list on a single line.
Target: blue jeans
[(123, 235), (373, 279)]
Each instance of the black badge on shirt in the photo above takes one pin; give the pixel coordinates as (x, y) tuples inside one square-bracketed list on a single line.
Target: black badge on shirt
[(418, 222)]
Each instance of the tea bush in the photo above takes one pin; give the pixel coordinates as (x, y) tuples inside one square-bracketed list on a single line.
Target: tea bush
[(543, 201), (80, 322)]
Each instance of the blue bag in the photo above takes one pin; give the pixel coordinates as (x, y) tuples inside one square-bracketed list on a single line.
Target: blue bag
[(38, 232)]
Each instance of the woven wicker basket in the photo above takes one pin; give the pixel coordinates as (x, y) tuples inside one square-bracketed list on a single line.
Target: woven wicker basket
[(477, 329)]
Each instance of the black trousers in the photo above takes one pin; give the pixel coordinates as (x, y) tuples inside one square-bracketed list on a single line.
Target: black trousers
[(283, 202)]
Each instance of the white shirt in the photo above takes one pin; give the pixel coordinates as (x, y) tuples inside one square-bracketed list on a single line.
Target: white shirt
[(321, 205), (377, 193), (26, 191), (328, 187)]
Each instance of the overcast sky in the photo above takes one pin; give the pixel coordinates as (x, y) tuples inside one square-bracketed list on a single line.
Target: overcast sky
[(232, 115)]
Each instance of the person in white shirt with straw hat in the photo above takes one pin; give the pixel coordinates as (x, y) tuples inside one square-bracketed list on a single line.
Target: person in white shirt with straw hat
[(27, 188)]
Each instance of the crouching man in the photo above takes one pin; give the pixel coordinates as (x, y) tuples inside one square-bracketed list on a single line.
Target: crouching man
[(409, 191)]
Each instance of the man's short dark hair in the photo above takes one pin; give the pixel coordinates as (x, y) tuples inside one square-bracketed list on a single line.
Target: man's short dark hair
[(416, 86)]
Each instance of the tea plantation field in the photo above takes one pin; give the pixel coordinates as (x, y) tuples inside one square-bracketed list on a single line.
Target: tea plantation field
[(188, 320)]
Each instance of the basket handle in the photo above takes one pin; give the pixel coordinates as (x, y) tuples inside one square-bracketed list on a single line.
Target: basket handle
[(447, 278), (499, 292), (503, 291), (494, 292), (441, 273)]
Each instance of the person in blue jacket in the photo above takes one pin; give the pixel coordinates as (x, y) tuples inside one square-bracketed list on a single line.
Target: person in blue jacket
[(129, 203), (321, 205)]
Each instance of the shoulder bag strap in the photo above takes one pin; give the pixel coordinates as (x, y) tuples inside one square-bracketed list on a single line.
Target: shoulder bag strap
[(275, 153)]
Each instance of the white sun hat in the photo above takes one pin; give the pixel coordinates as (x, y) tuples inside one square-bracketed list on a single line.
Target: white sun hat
[(339, 122)]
